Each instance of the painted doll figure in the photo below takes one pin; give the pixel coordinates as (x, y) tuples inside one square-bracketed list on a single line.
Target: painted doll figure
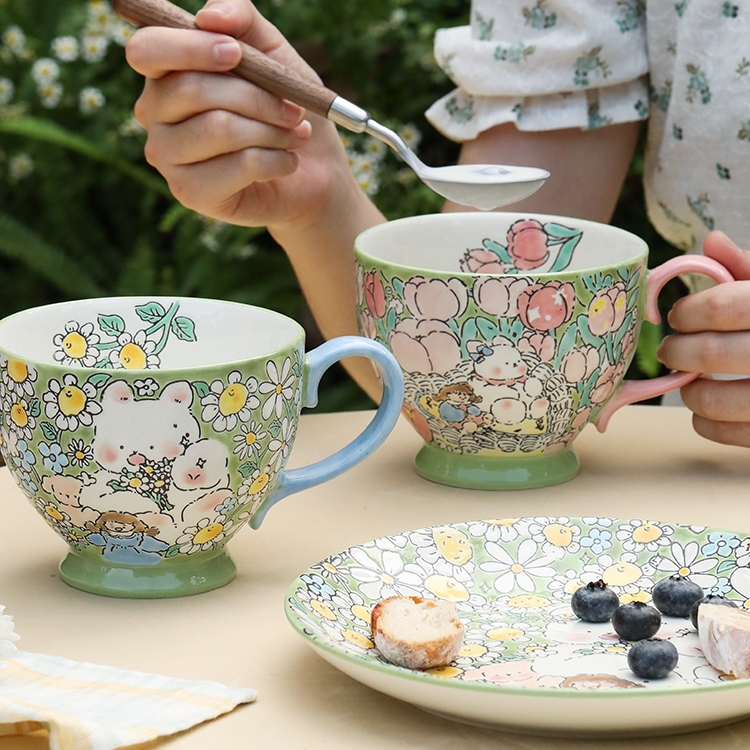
[(126, 539), (458, 406)]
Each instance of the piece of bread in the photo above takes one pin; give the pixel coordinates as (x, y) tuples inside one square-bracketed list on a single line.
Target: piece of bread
[(417, 633), (724, 634)]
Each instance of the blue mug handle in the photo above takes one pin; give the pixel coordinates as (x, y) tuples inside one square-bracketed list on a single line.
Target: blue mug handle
[(316, 363)]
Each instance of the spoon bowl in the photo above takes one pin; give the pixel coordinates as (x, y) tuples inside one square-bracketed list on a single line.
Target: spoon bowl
[(482, 186)]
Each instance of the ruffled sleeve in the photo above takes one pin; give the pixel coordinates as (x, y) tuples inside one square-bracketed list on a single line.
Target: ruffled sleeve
[(544, 65)]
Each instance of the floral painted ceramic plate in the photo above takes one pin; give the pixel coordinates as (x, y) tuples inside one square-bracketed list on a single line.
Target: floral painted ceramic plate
[(527, 663)]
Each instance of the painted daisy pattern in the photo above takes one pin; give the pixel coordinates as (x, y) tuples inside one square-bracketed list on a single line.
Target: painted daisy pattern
[(513, 596)]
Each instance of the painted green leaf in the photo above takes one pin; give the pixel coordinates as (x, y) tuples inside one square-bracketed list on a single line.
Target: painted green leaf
[(201, 388), (50, 432), (112, 325), (183, 328), (99, 380), (151, 312)]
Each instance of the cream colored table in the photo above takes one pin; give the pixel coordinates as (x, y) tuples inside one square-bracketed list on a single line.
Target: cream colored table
[(649, 464)]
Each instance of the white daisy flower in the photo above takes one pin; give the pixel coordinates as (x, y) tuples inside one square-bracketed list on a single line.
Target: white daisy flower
[(100, 17), (517, 571), (280, 447), (130, 127), (205, 535), (637, 535), (45, 70), (687, 561), (375, 149), (50, 94), (499, 529), (18, 377), (135, 352), (248, 441), (278, 387), (69, 404), (386, 577), (15, 40), (120, 32), (90, 100), (65, 48), (7, 89), (77, 346), (227, 405), (20, 166), (19, 417), (94, 48), (411, 136)]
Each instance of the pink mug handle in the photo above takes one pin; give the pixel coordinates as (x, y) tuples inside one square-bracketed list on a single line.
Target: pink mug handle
[(639, 390)]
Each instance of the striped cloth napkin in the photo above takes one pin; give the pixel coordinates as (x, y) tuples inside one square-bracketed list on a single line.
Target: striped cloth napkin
[(92, 707)]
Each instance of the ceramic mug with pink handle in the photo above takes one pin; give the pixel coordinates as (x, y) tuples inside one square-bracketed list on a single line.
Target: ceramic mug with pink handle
[(513, 332)]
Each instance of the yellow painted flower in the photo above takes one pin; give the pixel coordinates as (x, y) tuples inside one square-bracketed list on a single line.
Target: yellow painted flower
[(226, 405), (70, 403)]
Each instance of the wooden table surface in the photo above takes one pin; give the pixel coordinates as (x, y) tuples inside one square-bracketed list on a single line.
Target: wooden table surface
[(649, 464)]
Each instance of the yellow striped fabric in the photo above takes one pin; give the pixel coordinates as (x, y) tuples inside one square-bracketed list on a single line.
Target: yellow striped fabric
[(93, 707)]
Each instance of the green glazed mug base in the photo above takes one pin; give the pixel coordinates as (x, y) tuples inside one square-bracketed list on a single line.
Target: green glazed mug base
[(486, 473), (173, 579)]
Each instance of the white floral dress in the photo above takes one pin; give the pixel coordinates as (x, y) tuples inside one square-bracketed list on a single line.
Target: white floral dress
[(684, 64)]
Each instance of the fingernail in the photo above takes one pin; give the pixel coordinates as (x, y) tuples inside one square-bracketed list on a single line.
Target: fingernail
[(221, 8), (227, 52), (292, 113)]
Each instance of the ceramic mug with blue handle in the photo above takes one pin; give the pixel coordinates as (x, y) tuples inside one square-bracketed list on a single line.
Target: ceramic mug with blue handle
[(148, 431)]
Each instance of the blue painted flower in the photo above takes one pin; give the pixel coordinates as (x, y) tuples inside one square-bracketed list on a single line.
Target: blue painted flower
[(26, 482), (317, 587), (25, 455), (721, 543), (597, 540), (721, 587), (53, 457), (226, 505)]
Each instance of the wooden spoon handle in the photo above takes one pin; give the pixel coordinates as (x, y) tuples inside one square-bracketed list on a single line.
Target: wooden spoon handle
[(254, 66)]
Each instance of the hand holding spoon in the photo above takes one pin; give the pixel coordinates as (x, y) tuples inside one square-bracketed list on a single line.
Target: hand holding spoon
[(483, 186)]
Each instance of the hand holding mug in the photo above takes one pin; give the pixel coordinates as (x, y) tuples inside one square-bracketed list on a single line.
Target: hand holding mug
[(513, 333)]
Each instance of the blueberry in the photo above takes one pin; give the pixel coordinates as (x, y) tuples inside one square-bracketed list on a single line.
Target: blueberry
[(594, 602), (708, 599), (635, 621), (652, 658), (675, 596)]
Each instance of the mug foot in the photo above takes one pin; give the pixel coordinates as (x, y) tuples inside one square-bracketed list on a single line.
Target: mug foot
[(489, 473), (170, 578)]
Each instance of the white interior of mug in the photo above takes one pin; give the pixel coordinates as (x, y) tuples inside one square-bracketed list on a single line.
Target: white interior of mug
[(146, 332), (439, 242)]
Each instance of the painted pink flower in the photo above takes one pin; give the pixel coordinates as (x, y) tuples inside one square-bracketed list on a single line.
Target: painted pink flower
[(499, 296), (607, 382), (607, 309), (482, 261), (418, 422), (435, 299), (546, 306), (527, 244), (367, 325), (581, 419), (579, 364), (541, 344), (425, 346), (374, 294)]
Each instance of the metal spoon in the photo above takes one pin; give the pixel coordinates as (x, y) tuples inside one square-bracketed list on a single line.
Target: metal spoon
[(483, 186)]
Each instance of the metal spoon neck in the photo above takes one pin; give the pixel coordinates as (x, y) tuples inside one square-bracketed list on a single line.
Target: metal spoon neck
[(358, 120)]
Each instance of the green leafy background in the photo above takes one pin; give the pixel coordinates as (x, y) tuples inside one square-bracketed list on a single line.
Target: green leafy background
[(91, 218)]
